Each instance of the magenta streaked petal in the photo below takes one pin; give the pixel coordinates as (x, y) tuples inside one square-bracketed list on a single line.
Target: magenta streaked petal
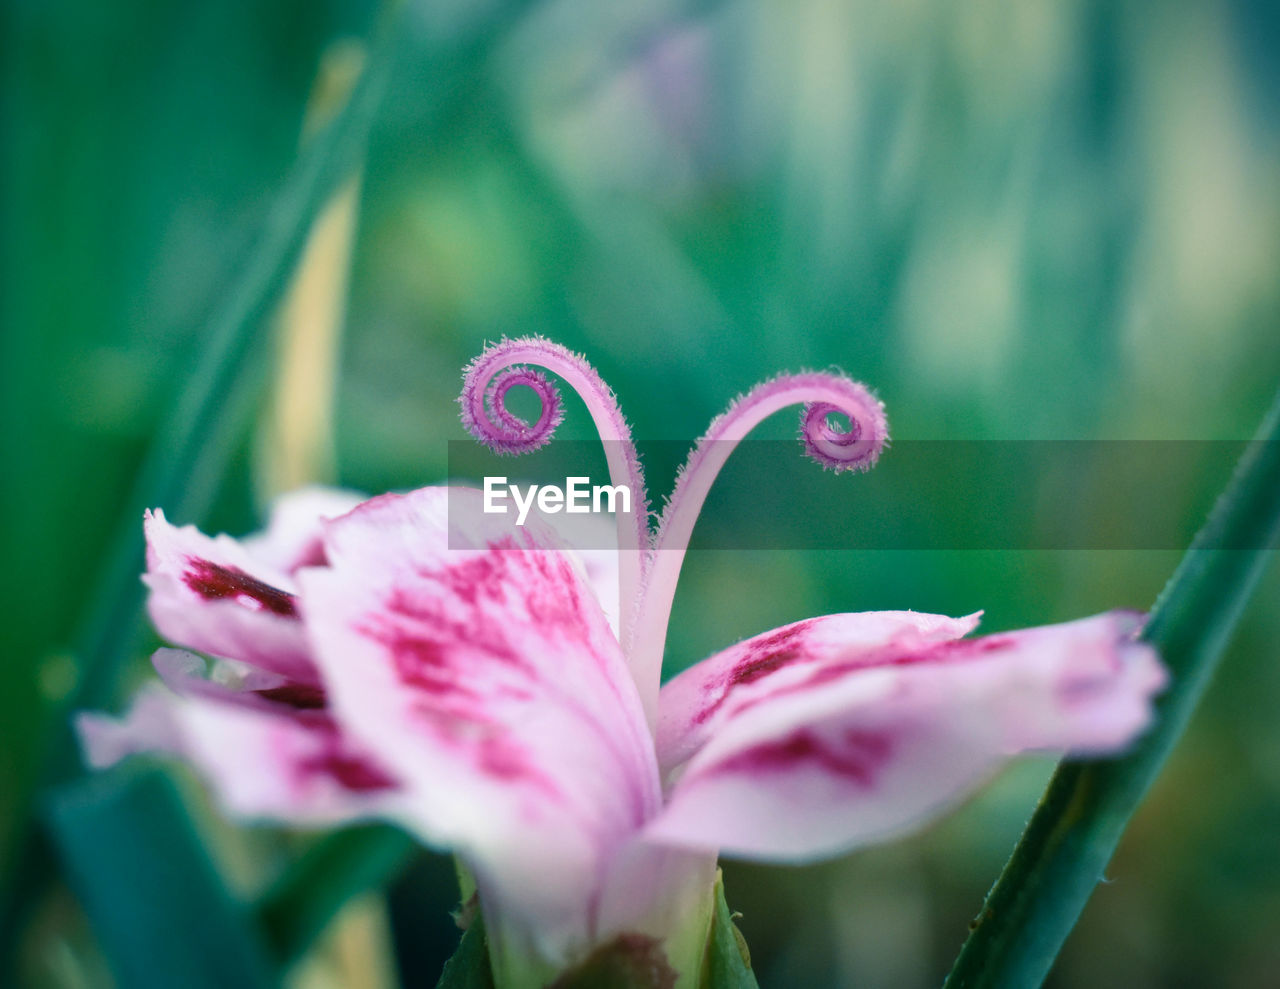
[(816, 757), (694, 704), (212, 595), (303, 769), (490, 681), (587, 535)]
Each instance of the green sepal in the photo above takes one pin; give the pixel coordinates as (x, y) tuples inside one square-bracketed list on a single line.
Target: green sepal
[(728, 962), (469, 967)]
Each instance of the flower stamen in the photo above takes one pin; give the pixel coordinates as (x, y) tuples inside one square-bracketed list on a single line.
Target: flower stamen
[(857, 448), (487, 381)]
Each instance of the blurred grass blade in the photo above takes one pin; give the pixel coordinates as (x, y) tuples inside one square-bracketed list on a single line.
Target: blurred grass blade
[(728, 962), (195, 442), (156, 902), (1065, 849), (188, 458), (340, 866), (189, 455)]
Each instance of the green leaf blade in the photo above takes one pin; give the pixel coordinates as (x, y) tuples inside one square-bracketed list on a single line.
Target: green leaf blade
[(1064, 851), (157, 904)]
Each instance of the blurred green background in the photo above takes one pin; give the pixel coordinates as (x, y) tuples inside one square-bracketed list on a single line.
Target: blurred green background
[(1015, 220)]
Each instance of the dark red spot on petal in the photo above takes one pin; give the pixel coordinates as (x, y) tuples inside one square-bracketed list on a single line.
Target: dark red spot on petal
[(213, 581), (301, 696), (856, 755), (351, 772), (957, 650), (335, 760), (761, 656)]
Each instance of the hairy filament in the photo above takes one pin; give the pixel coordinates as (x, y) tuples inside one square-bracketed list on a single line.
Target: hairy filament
[(499, 368), (856, 448)]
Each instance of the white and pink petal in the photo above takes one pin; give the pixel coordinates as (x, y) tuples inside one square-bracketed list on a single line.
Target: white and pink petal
[(212, 595), (814, 758), (479, 665), (292, 768), (694, 704)]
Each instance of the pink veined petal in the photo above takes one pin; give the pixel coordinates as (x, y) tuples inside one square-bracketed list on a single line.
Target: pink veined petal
[(292, 768), (694, 704), (214, 596), (814, 758), (293, 537), (489, 680)]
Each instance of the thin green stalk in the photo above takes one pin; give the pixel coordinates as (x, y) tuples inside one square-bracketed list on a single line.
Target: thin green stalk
[(1064, 851)]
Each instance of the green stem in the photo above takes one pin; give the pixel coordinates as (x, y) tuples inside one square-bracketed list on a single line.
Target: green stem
[(1065, 849)]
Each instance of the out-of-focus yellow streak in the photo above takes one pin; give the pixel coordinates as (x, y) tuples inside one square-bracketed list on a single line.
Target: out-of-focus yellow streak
[(356, 951), (296, 448), (296, 444)]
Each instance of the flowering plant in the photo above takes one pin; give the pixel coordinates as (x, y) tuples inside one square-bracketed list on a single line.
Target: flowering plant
[(496, 694)]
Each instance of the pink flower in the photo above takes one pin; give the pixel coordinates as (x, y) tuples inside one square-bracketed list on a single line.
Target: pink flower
[(404, 659)]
